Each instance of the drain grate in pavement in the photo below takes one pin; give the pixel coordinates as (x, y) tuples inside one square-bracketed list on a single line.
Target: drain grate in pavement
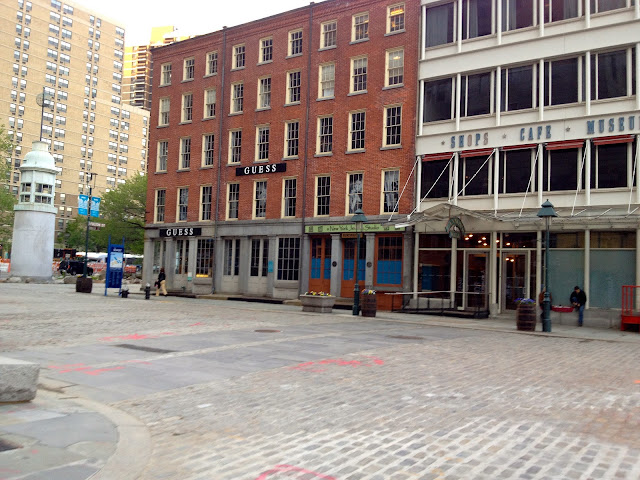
[(144, 349), (406, 337), (267, 331), (7, 445)]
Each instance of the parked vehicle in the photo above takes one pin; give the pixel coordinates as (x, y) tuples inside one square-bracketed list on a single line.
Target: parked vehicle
[(73, 267)]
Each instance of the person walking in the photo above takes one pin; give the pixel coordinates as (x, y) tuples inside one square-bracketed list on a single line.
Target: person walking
[(160, 283), (578, 299)]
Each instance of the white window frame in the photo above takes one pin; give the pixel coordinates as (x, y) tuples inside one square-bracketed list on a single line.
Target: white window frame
[(209, 103), (165, 76), (389, 17), (388, 68), (189, 69), (356, 35), (212, 63), (292, 41), (187, 108), (235, 200), (155, 206), (263, 49), (262, 142), (352, 132), (236, 99), (322, 82), (383, 192), (387, 127), (163, 113), (179, 205), (324, 31), (159, 159), (202, 204), (287, 138), (291, 89), (348, 210), (283, 213), (232, 147), (264, 95), (205, 150), (319, 136), (254, 212), (239, 57), (316, 196), (185, 153), (361, 63)]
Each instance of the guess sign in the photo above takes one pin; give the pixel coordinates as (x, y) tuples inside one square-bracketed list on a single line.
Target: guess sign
[(260, 169), (181, 232)]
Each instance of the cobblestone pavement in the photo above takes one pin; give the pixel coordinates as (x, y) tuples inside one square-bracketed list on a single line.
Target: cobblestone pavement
[(335, 397)]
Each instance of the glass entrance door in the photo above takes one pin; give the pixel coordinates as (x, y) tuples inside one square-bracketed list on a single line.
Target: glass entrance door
[(258, 269), (320, 271), (475, 280), (515, 272), (348, 263)]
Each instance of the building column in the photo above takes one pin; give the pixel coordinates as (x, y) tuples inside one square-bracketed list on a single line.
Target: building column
[(459, 23), (637, 63), (421, 107), (539, 276), (587, 77), (416, 262), (245, 264), (370, 256), (587, 17), (587, 172), (587, 263), (499, 22), (147, 263), (273, 253), (336, 259), (454, 180), (454, 269), (458, 88), (494, 308), (498, 102), (407, 260), (305, 253), (541, 160), (423, 40), (541, 98)]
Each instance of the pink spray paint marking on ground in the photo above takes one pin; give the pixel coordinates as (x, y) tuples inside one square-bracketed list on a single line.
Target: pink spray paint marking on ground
[(82, 368), (313, 366), (133, 336), (268, 475)]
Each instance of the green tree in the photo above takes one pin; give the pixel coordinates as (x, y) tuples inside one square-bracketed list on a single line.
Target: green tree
[(74, 236), (122, 210), (7, 199)]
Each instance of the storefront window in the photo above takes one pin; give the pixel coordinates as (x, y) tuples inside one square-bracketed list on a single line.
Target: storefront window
[(473, 176), (560, 169), (475, 94), (204, 258), (389, 264), (610, 239), (435, 241), (434, 270), (609, 166), (435, 179), (609, 75), (288, 258), (519, 240), (566, 240), (437, 100), (475, 240), (515, 172), (516, 88), (561, 81)]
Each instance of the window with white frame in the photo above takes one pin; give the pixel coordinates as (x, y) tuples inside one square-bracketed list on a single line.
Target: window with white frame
[(327, 80), (598, 6), (295, 42), (560, 169), (477, 18), (392, 126), (237, 97), (212, 63), (161, 198), (189, 69), (207, 149), (439, 25), (204, 258), (390, 190), (609, 165), (260, 199), (292, 139), (187, 107), (262, 143), (514, 171), (517, 88), (395, 67), (323, 195), (517, 14), (354, 192), (395, 18), (359, 74), (163, 155), (185, 153), (165, 77), (293, 86), (183, 203), (289, 200), (165, 105), (473, 175), (231, 257), (328, 34), (609, 74), (210, 103), (264, 93), (206, 193), (360, 27), (233, 200), (266, 50), (238, 56), (356, 130), (325, 135), (561, 81), (235, 146), (438, 95), (475, 94), (288, 258)]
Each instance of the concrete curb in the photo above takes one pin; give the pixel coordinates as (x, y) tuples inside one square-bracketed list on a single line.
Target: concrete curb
[(133, 436)]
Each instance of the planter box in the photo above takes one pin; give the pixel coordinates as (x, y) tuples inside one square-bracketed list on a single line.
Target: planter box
[(526, 317), (369, 305), (317, 303), (84, 284)]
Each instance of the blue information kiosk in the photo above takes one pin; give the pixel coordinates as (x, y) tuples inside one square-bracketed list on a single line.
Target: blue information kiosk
[(115, 267)]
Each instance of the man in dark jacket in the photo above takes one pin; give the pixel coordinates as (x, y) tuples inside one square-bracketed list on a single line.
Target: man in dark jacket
[(578, 299)]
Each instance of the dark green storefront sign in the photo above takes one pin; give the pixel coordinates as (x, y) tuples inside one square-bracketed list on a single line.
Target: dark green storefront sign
[(347, 228)]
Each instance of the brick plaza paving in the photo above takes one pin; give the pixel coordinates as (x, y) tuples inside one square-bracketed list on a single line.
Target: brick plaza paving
[(233, 390)]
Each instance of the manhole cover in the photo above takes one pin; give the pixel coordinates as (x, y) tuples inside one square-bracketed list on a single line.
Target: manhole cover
[(406, 337), (267, 331), (7, 445), (144, 349)]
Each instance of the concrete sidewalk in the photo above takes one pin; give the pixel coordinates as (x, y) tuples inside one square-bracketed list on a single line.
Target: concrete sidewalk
[(60, 436)]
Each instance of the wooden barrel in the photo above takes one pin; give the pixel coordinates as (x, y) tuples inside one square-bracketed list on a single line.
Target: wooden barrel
[(368, 305), (526, 317)]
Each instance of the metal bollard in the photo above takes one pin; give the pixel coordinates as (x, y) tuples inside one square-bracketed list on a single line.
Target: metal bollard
[(147, 292)]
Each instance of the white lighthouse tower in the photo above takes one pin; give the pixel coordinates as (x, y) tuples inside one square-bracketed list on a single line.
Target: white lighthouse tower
[(35, 216)]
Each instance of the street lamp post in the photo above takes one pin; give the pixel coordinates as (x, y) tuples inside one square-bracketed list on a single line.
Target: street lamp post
[(546, 212), (358, 219), (86, 240)]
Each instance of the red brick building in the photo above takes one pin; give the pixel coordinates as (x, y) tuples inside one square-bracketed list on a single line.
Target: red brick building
[(265, 140)]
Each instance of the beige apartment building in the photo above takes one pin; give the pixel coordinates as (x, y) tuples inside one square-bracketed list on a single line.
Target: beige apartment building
[(75, 58)]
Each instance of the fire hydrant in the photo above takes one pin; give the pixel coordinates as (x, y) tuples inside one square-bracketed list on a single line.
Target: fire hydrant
[(147, 292)]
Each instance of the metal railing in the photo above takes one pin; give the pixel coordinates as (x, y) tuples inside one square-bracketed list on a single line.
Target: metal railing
[(444, 302)]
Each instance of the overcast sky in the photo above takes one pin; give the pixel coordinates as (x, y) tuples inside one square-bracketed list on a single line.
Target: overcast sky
[(188, 16)]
